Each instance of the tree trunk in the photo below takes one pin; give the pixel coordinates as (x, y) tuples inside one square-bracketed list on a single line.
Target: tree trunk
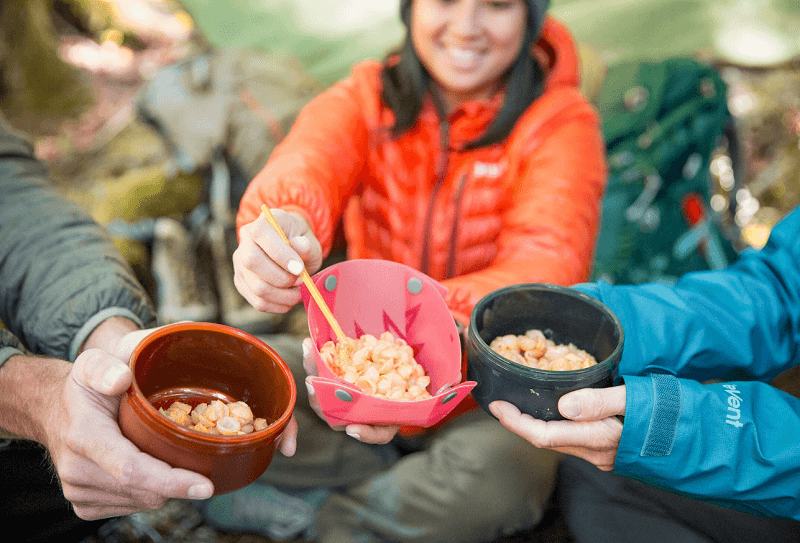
[(38, 89)]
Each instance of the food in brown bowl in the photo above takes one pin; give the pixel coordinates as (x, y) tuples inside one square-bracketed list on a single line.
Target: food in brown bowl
[(195, 363)]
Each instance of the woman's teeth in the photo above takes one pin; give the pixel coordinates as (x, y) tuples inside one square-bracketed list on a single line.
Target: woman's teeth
[(463, 56)]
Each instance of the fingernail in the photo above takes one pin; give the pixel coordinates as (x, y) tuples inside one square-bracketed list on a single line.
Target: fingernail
[(112, 374), (305, 350), (310, 389), (354, 435), (295, 267), (570, 408), (200, 492)]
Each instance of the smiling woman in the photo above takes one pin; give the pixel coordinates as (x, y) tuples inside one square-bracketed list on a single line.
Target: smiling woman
[(470, 155)]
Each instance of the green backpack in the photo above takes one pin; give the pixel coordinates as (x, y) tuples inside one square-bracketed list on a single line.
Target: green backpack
[(661, 122)]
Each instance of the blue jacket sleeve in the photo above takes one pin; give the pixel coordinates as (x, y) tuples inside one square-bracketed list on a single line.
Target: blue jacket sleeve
[(735, 443)]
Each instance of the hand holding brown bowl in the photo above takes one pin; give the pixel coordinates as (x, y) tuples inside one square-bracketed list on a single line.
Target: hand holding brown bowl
[(200, 362)]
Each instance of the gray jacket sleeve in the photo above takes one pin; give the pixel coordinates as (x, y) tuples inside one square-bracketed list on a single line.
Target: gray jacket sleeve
[(60, 273)]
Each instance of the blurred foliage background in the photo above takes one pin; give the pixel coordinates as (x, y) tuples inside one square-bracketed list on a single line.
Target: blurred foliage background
[(329, 36), (77, 64)]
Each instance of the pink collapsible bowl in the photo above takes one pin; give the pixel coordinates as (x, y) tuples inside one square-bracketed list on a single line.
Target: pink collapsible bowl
[(197, 362), (372, 297)]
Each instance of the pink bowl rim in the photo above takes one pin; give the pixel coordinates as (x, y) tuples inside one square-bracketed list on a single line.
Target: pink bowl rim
[(165, 424)]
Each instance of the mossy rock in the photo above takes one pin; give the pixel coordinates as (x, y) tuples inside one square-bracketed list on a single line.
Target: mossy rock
[(39, 89), (132, 177)]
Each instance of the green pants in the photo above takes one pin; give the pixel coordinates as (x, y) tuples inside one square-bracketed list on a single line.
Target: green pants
[(471, 480)]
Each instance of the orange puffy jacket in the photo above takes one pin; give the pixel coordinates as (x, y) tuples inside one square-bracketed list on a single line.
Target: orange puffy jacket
[(524, 210)]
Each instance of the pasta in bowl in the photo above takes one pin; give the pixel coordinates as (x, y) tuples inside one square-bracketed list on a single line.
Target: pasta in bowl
[(529, 344), (400, 362)]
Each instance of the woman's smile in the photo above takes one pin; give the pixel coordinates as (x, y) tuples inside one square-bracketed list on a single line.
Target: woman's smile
[(464, 60), (467, 45)]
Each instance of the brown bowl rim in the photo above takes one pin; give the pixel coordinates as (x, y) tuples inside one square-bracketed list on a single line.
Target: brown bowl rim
[(193, 435)]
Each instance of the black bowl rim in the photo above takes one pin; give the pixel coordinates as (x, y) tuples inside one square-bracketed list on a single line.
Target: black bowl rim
[(603, 366)]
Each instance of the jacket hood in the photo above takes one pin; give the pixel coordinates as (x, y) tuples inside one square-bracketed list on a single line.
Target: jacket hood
[(558, 55)]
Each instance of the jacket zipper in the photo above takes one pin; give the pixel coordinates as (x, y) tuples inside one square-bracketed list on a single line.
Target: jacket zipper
[(444, 134), (451, 257)]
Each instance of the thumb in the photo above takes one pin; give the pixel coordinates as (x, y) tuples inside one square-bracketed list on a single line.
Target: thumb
[(308, 248), (309, 361), (102, 372), (593, 403), (127, 344), (301, 245)]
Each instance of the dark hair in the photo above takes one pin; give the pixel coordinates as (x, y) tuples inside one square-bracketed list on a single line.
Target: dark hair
[(406, 81)]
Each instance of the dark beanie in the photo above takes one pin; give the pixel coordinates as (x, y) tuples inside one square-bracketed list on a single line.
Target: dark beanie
[(536, 13)]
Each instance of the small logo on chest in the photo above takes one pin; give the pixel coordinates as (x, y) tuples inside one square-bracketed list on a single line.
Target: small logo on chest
[(488, 169)]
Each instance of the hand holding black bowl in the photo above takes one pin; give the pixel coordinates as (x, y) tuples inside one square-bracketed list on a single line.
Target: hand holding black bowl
[(566, 316)]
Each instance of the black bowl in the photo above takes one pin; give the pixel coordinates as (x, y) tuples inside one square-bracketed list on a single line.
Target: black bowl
[(564, 315)]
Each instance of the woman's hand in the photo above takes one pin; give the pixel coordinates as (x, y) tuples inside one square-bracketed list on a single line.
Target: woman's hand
[(592, 433), (361, 432), (266, 269)]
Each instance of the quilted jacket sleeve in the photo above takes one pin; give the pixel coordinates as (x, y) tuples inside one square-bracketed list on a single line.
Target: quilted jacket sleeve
[(315, 152), (733, 442), (60, 273)]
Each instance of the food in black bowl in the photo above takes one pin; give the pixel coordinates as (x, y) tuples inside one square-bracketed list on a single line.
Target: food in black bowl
[(565, 316)]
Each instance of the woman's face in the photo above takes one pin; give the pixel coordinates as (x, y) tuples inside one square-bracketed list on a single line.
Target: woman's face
[(467, 45)]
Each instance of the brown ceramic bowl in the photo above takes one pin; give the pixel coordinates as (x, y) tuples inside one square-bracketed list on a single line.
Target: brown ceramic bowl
[(198, 362)]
